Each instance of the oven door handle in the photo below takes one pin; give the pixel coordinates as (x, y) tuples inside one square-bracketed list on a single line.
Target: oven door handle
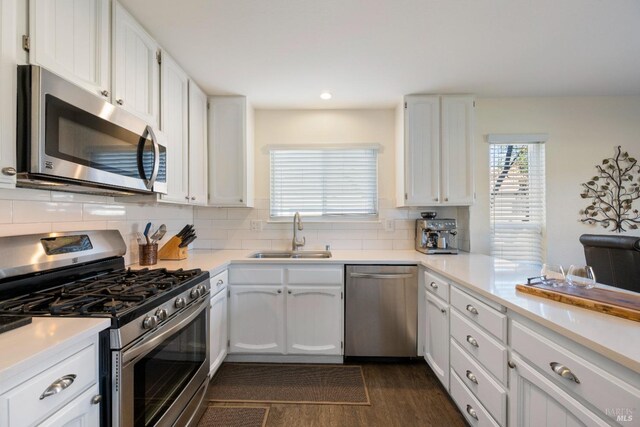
[(147, 344)]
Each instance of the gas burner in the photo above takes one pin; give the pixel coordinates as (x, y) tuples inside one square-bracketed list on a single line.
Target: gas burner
[(113, 305)]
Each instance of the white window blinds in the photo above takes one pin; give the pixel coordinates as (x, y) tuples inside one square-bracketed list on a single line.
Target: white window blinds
[(517, 195), (324, 182)]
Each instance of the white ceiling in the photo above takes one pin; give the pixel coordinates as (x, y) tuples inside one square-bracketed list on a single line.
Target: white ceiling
[(368, 53)]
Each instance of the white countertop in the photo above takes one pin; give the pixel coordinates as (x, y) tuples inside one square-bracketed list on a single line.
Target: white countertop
[(617, 339), (33, 343)]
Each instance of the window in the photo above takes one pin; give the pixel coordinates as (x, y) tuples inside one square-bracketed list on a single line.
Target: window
[(517, 201), (324, 182)]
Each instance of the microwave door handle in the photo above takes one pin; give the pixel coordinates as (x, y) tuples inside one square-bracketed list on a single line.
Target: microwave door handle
[(156, 157)]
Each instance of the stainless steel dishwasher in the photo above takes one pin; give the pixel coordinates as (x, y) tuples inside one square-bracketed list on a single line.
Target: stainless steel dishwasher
[(381, 311)]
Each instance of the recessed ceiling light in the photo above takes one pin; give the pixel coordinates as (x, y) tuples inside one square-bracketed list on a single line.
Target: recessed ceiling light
[(325, 95)]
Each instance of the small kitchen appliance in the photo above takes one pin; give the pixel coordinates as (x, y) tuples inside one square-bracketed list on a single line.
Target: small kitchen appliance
[(436, 236), (155, 356)]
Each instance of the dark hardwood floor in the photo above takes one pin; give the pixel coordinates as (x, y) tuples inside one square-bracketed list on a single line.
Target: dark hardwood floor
[(401, 394)]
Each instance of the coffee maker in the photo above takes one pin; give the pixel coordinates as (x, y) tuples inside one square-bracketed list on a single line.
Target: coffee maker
[(436, 236)]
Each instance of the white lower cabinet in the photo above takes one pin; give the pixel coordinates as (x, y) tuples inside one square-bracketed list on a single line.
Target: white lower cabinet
[(300, 315), (82, 412), (436, 336), (536, 402), (313, 320), (256, 317), (218, 322)]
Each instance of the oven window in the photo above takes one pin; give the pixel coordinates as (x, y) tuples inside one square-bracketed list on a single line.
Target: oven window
[(78, 136), (162, 374)]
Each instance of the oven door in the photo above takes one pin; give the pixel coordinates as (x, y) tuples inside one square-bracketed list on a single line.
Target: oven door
[(79, 136), (164, 373)]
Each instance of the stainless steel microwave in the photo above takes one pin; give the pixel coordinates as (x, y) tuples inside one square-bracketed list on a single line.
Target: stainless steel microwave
[(71, 140)]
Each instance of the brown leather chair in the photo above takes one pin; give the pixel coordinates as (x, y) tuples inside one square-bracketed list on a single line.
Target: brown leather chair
[(615, 259)]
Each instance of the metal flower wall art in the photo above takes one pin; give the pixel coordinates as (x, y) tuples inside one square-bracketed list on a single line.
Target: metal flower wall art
[(612, 192)]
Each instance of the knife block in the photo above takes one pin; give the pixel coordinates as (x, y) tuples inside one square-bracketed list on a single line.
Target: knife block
[(171, 251)]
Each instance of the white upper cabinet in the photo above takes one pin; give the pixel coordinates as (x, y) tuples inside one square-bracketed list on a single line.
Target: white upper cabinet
[(457, 149), (435, 151), (7, 93), (71, 38), (174, 93), (422, 150), (230, 151), (197, 145), (136, 72)]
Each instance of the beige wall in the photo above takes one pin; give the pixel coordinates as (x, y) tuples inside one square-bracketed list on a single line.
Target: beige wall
[(582, 131)]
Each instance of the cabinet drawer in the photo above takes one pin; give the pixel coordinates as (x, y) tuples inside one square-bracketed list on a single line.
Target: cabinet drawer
[(485, 316), (315, 276), (471, 408), (219, 282), (256, 276), (485, 388), (489, 352), (23, 403), (436, 286), (598, 387)]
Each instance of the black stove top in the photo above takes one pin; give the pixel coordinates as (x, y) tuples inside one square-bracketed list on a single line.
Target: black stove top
[(117, 294)]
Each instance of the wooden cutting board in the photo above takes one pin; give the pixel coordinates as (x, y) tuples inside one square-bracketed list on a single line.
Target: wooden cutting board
[(615, 303)]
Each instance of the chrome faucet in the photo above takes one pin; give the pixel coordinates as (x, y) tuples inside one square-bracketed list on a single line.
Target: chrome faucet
[(297, 226)]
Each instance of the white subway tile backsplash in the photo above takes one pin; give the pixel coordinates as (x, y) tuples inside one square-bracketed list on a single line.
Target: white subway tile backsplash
[(25, 194), (377, 245), (79, 226), (96, 212), (210, 213), (35, 211), (241, 213), (403, 244), (17, 229)]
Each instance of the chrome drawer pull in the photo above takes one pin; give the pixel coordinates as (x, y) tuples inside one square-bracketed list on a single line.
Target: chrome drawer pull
[(564, 372), (471, 377), (220, 282), (472, 412), (471, 340), (58, 385), (472, 309), (443, 310), (433, 285)]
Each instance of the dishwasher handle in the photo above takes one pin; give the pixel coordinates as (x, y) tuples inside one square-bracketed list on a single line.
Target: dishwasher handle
[(381, 275)]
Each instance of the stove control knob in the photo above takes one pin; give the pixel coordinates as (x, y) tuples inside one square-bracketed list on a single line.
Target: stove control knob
[(195, 293), (180, 302), (202, 289), (161, 313), (150, 322)]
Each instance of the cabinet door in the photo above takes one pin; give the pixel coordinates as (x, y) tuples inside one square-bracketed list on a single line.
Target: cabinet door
[(197, 145), (535, 401), (256, 319), (314, 320), (174, 122), (72, 38), (7, 93), (436, 340), (228, 151), (422, 150), (136, 82), (457, 149), (81, 412), (218, 330)]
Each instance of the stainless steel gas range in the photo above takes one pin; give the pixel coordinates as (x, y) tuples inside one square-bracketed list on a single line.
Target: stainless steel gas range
[(155, 357)]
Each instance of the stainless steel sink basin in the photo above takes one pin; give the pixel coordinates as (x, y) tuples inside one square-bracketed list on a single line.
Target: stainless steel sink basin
[(291, 254)]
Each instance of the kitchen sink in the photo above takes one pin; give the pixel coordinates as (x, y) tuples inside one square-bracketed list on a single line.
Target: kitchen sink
[(291, 254)]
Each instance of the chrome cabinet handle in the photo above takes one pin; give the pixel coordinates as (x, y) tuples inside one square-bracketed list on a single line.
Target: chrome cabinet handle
[(193, 198), (279, 291), (105, 93), (96, 399), (471, 340), (436, 199), (446, 199), (443, 310), (9, 171), (220, 282), (433, 285), (58, 385), (472, 412), (564, 372), (119, 101), (289, 292), (511, 365), (471, 377), (472, 309)]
